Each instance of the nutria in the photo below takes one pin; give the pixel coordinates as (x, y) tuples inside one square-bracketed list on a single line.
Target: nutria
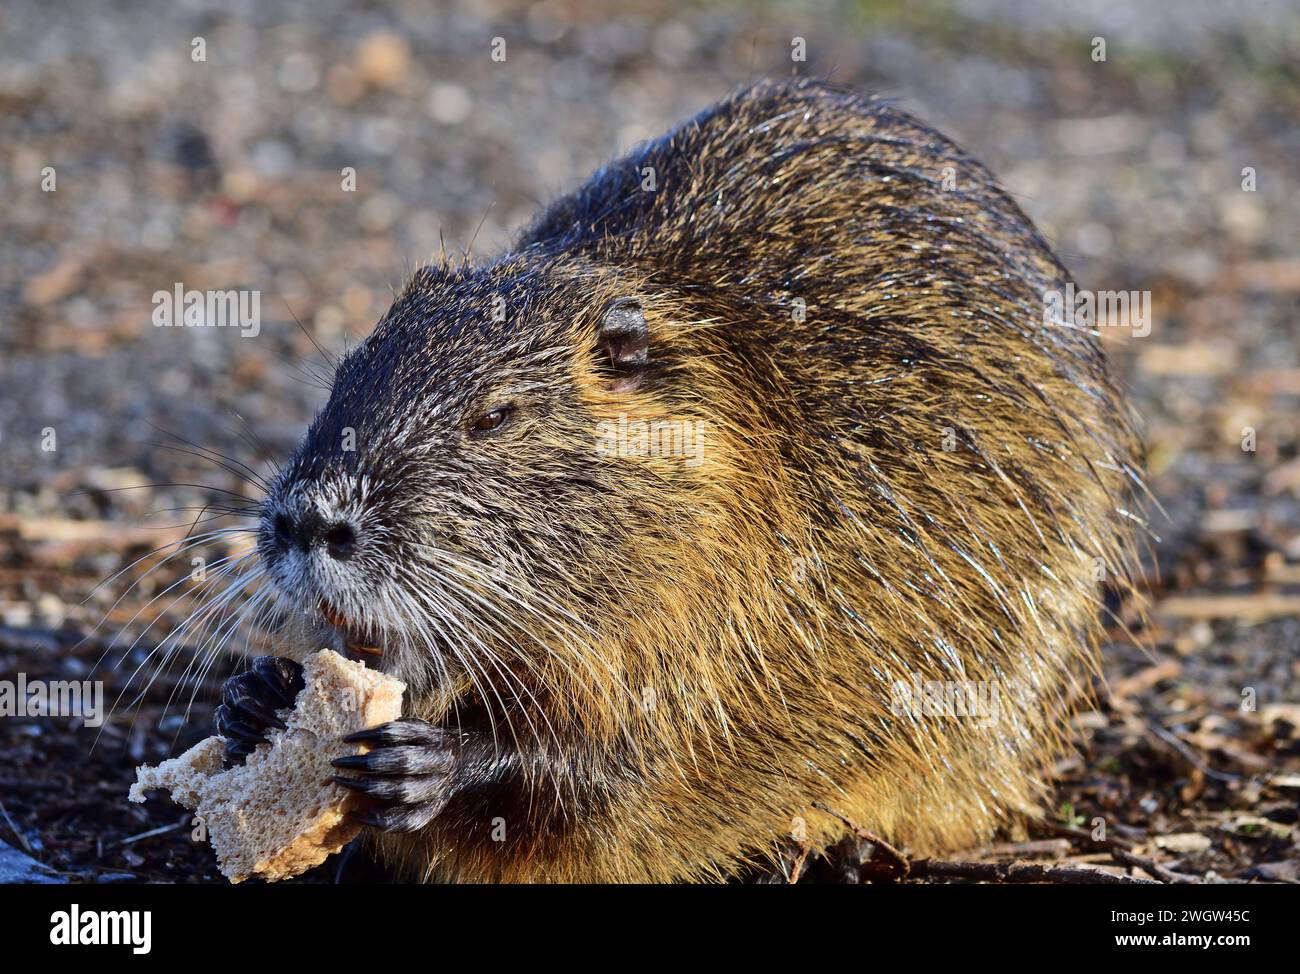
[(731, 491)]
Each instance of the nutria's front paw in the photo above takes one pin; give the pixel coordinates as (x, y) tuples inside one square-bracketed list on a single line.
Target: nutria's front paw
[(249, 701), (406, 774)]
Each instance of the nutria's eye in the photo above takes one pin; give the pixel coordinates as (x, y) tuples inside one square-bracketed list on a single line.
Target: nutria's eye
[(493, 421)]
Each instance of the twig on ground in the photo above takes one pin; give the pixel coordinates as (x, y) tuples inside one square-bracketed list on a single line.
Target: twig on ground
[(161, 830), (1152, 868), (797, 867), (897, 865), (1121, 850), (1187, 754), (27, 847), (1020, 872)]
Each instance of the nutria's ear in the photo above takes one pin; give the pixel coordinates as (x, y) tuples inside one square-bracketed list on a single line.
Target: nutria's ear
[(623, 337)]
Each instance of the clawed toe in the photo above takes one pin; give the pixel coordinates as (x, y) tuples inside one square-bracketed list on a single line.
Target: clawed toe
[(404, 777), (249, 702)]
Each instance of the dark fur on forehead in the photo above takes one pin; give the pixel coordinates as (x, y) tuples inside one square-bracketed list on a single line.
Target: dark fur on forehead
[(462, 317), (450, 339)]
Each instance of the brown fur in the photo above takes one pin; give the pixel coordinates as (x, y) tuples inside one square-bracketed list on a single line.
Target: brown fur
[(705, 651)]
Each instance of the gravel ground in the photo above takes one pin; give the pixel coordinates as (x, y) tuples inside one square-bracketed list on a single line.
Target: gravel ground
[(226, 173)]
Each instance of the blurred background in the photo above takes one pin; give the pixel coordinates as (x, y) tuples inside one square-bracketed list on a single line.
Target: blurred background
[(226, 172)]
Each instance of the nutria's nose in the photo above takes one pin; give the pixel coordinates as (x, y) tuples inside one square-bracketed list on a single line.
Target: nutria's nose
[(309, 530), (340, 540)]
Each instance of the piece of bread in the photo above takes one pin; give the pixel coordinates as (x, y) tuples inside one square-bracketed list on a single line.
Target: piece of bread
[(279, 814)]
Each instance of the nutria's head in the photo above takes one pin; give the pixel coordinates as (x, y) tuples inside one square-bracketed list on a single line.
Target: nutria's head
[(466, 505)]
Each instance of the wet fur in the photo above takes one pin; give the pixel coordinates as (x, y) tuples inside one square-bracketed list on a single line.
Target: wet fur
[(675, 660)]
